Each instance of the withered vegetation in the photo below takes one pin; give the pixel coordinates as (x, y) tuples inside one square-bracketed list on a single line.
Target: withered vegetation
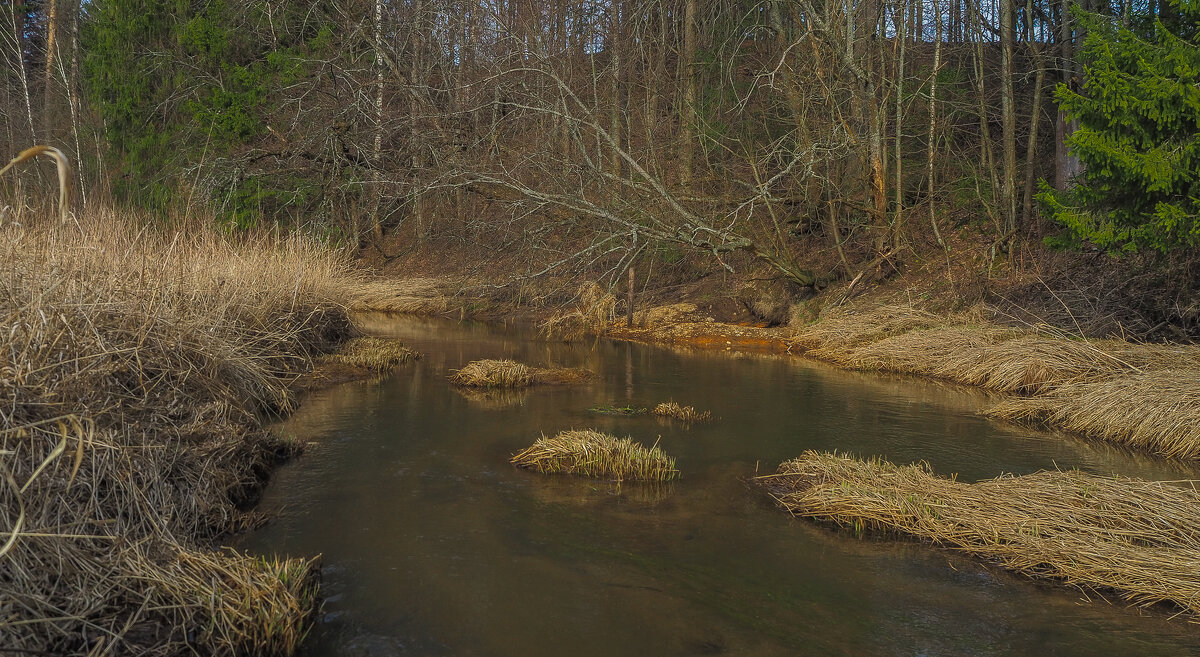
[(595, 454), (1143, 396), (684, 413), (376, 355), (134, 368), (504, 373), (1137, 538)]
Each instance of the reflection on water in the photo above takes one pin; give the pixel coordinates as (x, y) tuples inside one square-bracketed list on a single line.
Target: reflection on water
[(435, 545)]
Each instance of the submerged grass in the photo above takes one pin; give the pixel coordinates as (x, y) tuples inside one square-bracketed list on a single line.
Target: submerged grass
[(613, 409), (1136, 395), (595, 454), (489, 373), (684, 413), (1137, 538), (134, 367)]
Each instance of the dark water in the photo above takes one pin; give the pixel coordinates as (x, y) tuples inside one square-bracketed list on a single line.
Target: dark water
[(435, 545)]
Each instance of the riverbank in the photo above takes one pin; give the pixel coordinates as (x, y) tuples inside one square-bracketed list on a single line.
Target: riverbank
[(136, 369), (1132, 537), (1048, 376)]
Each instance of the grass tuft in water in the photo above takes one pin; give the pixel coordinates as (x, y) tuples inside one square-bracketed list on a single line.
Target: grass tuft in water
[(595, 454), (684, 413), (489, 373), (375, 354), (611, 409)]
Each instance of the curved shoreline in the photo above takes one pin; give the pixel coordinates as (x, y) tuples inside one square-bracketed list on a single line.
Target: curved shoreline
[(1084, 386)]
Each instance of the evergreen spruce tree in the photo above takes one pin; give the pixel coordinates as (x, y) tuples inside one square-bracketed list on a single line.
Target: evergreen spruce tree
[(1139, 135), (179, 84)]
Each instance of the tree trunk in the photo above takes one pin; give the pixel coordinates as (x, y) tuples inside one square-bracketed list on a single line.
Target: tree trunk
[(1066, 166), (687, 120), (614, 116), (377, 146), (1035, 121), (937, 64), (987, 158), (73, 99), (18, 27), (52, 20), (898, 212), (1008, 118)]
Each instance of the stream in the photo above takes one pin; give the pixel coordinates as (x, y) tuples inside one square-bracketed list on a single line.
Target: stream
[(433, 544)]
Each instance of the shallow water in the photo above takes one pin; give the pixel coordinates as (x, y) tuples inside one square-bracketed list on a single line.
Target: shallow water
[(434, 545)]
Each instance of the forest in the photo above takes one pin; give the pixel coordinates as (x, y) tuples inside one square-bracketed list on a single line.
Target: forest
[(248, 204), (817, 140)]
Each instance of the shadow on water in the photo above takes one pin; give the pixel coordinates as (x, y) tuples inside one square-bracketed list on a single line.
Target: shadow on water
[(434, 545)]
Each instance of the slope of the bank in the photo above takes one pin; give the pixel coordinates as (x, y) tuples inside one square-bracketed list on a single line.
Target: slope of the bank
[(134, 367)]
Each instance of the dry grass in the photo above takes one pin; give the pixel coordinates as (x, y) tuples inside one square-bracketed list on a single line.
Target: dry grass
[(595, 454), (1156, 411), (489, 373), (377, 355), (1140, 539), (684, 413), (1138, 395), (134, 367), (594, 312)]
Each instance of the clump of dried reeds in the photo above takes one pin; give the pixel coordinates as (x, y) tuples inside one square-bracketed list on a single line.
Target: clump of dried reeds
[(377, 355), (684, 413), (1140, 539), (595, 454), (489, 373), (135, 366), (1156, 411), (592, 314), (1136, 395)]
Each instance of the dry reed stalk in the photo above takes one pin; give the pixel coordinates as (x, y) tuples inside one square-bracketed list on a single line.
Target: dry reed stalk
[(1137, 395), (375, 354), (134, 367), (594, 312), (1156, 411), (595, 454), (489, 373), (1140, 539), (684, 413), (848, 328)]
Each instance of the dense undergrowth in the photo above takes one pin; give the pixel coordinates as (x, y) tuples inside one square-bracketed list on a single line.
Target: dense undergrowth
[(135, 368)]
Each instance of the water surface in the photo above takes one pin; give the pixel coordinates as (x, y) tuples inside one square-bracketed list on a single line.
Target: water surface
[(434, 545)]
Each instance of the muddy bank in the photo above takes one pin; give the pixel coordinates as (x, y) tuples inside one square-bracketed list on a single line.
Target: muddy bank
[(134, 374)]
